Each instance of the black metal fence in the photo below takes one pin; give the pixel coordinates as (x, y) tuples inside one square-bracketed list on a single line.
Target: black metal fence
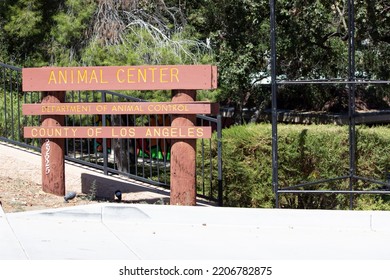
[(146, 160), (351, 82)]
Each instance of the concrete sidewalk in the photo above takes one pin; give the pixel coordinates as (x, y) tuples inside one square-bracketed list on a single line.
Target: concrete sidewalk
[(156, 232)]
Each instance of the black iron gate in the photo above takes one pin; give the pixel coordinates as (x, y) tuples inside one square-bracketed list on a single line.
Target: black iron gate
[(351, 82)]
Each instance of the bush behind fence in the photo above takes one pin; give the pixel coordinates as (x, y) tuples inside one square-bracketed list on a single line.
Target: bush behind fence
[(306, 153)]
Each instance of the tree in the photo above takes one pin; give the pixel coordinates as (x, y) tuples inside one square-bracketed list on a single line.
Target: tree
[(27, 25), (312, 40), (239, 34)]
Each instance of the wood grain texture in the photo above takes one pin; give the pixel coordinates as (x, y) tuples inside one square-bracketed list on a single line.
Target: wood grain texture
[(183, 156), (52, 150)]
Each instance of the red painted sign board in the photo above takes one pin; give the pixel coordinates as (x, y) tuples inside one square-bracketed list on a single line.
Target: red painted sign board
[(119, 108), (147, 77), (177, 132)]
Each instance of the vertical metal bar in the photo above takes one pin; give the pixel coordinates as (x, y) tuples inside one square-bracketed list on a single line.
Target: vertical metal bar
[(73, 124), (219, 147), (275, 184), (351, 99), (11, 104), (19, 109), (136, 148), (25, 118), (143, 150), (203, 163), (158, 149), (81, 124), (5, 103), (90, 117), (165, 149), (105, 156), (202, 166), (95, 99), (211, 167), (128, 154), (150, 149)]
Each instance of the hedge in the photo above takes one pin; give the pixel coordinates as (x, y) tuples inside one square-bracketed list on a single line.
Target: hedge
[(307, 153)]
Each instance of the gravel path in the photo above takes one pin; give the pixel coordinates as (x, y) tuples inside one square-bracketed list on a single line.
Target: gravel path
[(20, 184)]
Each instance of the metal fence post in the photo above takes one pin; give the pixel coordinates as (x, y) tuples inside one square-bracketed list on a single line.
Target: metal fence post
[(219, 143)]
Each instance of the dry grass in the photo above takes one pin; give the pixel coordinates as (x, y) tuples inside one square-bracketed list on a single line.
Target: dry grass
[(23, 195)]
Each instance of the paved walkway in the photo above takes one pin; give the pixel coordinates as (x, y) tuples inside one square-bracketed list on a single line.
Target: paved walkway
[(156, 232), (146, 232)]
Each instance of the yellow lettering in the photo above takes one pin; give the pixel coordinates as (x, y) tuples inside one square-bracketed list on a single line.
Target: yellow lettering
[(131, 132), (182, 107), (148, 132), (82, 77), (199, 132), (191, 132), (52, 78), (130, 75), (42, 132), (74, 130), (113, 134), (93, 77), (58, 132), (90, 132), (66, 131), (86, 108), (99, 108), (157, 132), (98, 130), (153, 71), (162, 75), (173, 131), (34, 132), (142, 75), (101, 77), (117, 76), (122, 132), (166, 132), (62, 76), (49, 132), (174, 74)]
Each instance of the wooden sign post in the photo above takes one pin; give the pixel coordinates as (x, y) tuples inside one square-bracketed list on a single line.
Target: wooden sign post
[(183, 80), (52, 149), (183, 172)]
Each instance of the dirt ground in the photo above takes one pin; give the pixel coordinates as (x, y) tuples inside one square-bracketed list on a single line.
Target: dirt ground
[(23, 195)]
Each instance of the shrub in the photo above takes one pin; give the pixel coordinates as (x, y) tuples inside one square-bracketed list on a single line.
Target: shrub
[(306, 154)]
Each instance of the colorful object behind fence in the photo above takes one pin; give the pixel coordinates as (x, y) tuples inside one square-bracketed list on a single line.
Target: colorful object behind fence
[(156, 148)]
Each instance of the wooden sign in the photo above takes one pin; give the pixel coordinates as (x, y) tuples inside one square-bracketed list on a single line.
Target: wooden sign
[(150, 77), (177, 132), (183, 80), (120, 108)]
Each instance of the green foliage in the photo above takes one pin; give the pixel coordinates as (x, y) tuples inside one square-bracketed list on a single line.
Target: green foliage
[(25, 19), (68, 32), (306, 154), (26, 28), (311, 35), (239, 34)]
